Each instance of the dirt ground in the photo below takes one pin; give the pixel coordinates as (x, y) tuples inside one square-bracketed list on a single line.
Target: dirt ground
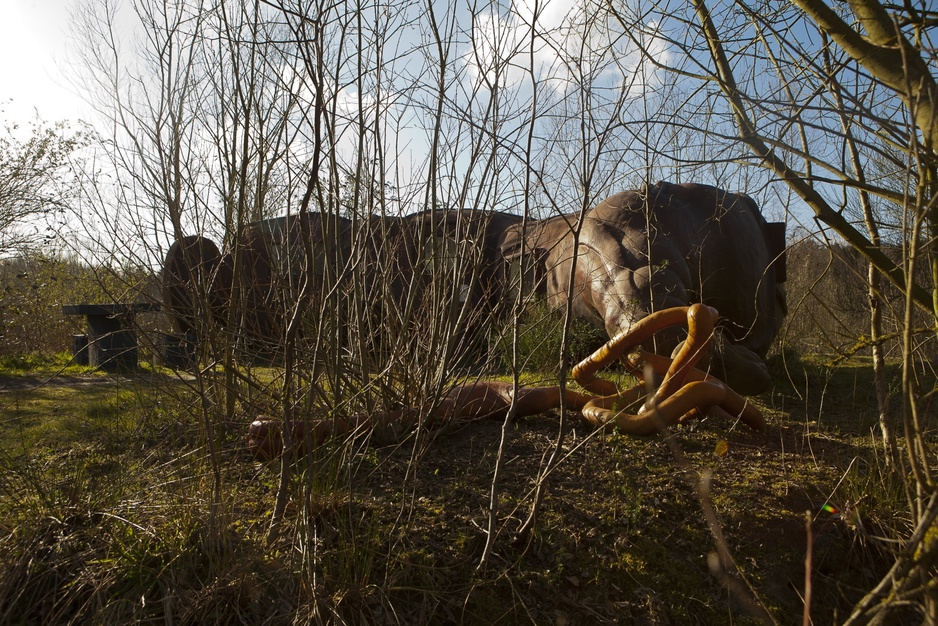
[(621, 536), (626, 530)]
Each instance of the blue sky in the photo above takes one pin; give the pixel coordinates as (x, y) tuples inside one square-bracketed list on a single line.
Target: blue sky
[(35, 35)]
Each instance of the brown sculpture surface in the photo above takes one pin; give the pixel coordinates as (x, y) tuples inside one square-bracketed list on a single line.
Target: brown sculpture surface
[(391, 256), (684, 392), (662, 246)]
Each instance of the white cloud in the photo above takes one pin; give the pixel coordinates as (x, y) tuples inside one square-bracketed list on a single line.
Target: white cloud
[(573, 40), (32, 44), (501, 43)]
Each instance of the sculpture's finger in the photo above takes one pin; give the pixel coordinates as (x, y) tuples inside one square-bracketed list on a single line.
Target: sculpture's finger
[(264, 439), (649, 421), (660, 365), (749, 413), (585, 371), (720, 413), (701, 320), (602, 411), (712, 392)]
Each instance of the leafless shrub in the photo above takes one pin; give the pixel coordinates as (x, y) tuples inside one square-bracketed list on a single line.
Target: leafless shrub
[(829, 303), (374, 130)]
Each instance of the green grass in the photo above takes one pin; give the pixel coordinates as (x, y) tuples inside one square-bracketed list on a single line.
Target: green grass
[(35, 363), (106, 514)]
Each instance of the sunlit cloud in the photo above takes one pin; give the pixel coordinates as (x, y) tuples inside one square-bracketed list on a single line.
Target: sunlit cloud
[(561, 44), (32, 44)]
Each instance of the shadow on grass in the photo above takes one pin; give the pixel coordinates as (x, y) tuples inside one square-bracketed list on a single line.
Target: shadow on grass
[(107, 510)]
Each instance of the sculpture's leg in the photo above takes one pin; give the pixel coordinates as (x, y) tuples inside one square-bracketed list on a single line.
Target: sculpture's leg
[(660, 365)]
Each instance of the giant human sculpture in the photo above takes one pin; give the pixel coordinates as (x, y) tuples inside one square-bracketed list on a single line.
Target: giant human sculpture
[(665, 245), (390, 260)]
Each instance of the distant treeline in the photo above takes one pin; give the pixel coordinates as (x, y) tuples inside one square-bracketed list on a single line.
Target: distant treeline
[(828, 301), (36, 285)]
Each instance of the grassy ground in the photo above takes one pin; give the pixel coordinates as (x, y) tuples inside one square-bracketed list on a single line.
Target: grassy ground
[(107, 516)]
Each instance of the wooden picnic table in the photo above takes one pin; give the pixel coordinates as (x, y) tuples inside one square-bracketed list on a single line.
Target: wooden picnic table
[(111, 341)]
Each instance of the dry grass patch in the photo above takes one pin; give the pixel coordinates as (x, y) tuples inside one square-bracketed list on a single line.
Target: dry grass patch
[(106, 502)]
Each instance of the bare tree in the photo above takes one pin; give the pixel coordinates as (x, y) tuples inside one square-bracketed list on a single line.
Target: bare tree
[(382, 134), (202, 121), (838, 104), (38, 181)]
